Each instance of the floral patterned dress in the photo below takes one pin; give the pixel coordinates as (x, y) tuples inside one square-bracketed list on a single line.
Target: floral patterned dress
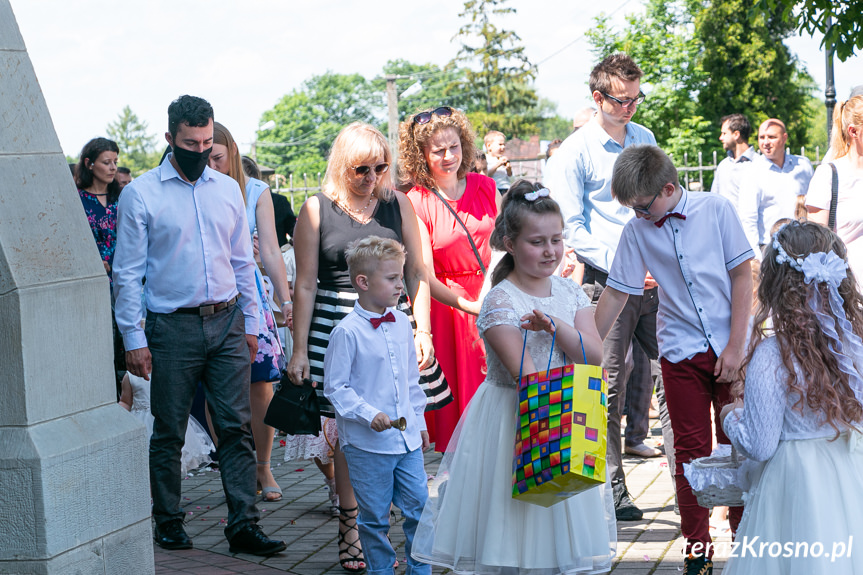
[(103, 224), (270, 359)]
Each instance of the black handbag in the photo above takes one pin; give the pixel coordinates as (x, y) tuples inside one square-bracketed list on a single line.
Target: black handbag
[(294, 409)]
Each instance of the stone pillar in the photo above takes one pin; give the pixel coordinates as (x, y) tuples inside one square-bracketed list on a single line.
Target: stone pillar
[(74, 493)]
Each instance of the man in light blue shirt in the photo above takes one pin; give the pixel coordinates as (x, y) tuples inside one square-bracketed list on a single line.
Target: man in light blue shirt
[(181, 229), (775, 186), (734, 135), (579, 177)]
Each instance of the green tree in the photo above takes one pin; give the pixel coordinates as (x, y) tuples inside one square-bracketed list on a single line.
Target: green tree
[(436, 86), (749, 70), (501, 82), (812, 16), (704, 59), (137, 145), (309, 118)]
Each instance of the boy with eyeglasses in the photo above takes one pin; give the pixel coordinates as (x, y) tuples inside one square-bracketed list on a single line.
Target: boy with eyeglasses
[(693, 244), (579, 177)]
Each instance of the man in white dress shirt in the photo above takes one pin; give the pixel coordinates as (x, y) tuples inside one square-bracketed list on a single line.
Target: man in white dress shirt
[(182, 228), (734, 135), (775, 187)]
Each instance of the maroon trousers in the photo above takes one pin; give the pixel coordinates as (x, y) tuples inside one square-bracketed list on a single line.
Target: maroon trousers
[(690, 390)]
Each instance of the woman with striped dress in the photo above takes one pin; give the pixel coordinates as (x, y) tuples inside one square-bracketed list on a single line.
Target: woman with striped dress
[(357, 201)]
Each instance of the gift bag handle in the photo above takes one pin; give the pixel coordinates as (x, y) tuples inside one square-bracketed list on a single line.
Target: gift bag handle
[(551, 352)]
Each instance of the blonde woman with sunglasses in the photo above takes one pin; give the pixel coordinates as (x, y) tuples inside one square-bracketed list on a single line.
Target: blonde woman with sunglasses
[(456, 210), (357, 201)]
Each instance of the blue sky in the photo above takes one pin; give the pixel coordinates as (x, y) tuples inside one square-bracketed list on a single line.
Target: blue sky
[(93, 57)]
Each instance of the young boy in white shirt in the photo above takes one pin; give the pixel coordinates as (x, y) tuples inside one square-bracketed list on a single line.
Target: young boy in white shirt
[(498, 165), (694, 246), (372, 380)]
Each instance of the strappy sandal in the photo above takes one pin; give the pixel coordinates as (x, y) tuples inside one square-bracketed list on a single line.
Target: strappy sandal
[(267, 491), (348, 521)]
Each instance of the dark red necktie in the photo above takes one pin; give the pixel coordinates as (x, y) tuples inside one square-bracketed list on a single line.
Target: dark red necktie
[(377, 321), (661, 220)]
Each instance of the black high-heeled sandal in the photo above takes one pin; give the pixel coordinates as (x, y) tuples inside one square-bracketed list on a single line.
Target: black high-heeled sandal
[(348, 521)]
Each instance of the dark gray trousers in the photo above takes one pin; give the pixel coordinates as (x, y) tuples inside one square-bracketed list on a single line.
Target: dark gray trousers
[(637, 321), (187, 349), (639, 390)]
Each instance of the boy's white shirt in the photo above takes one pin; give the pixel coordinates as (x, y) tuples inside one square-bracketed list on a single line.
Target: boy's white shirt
[(372, 370), (690, 260)]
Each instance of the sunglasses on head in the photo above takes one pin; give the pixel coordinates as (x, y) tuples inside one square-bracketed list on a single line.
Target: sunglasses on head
[(379, 169), (425, 117)]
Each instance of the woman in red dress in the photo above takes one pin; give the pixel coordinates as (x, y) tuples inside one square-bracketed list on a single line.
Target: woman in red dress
[(456, 210)]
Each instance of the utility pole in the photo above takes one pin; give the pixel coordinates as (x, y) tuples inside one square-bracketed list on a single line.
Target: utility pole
[(830, 89), (393, 114)]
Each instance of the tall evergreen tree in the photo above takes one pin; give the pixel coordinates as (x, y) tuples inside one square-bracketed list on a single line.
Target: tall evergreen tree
[(137, 145), (498, 76)]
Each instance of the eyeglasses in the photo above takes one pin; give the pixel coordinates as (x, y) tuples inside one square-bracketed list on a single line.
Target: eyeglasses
[(626, 103), (646, 209), (379, 169), (425, 117)]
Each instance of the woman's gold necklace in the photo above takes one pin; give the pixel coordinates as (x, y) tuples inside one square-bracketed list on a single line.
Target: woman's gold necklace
[(361, 210)]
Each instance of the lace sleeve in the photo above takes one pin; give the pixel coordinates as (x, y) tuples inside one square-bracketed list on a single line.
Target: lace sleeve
[(581, 299), (497, 309), (755, 430)]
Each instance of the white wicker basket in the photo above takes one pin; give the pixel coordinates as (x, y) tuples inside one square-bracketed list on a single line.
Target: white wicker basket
[(727, 493)]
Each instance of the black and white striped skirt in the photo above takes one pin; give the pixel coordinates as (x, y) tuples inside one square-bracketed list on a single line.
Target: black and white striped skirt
[(330, 308)]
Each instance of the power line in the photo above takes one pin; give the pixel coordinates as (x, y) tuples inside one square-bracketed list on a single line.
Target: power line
[(580, 37)]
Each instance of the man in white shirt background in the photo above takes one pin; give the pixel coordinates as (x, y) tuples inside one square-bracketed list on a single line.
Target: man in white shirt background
[(775, 187), (734, 135)]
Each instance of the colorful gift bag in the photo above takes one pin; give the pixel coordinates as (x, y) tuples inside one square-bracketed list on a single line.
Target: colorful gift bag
[(560, 435)]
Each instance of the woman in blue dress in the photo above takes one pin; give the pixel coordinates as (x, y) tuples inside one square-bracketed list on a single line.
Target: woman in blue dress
[(270, 360)]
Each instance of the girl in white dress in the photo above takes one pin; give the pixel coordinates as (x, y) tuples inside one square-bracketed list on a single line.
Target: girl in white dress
[(800, 417), (471, 523), (135, 398)]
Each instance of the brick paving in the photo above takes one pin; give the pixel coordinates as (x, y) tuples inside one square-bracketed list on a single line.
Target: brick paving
[(302, 519)]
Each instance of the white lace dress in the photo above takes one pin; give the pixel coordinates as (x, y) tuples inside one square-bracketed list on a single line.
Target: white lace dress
[(198, 446), (806, 493), (471, 524)]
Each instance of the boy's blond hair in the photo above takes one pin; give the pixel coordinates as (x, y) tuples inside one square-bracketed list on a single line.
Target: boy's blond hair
[(641, 171), (363, 255), (490, 136)]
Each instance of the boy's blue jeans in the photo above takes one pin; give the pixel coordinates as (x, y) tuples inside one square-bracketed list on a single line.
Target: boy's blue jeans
[(379, 479)]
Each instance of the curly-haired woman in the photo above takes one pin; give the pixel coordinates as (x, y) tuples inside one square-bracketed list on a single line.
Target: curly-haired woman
[(456, 210)]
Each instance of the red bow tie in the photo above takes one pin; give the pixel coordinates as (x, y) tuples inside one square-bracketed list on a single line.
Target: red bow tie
[(661, 220), (377, 321)]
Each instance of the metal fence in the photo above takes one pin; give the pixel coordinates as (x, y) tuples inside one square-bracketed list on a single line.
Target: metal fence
[(692, 176), (290, 187), (688, 172)]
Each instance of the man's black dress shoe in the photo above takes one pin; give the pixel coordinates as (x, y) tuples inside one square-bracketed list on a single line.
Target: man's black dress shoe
[(624, 508), (171, 535), (250, 539)]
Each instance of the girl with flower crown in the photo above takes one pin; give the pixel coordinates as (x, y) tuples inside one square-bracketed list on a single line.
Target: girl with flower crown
[(799, 413)]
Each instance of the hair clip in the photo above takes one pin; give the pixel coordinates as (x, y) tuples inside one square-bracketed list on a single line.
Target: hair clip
[(533, 196)]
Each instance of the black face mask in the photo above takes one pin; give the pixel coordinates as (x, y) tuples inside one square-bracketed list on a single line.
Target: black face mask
[(191, 163)]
